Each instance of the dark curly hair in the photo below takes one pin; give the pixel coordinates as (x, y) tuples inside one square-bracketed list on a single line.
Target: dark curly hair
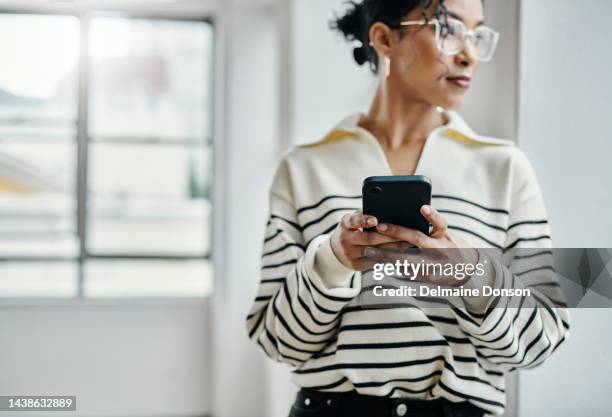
[(356, 22)]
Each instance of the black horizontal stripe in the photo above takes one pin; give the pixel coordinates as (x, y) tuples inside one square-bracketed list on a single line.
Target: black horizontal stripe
[(282, 248), (559, 343), (464, 316), (324, 216), (540, 268), (533, 255), (276, 233), (324, 355), (408, 390), (260, 343), (558, 303), (467, 359), (329, 197), (394, 345), (374, 307), (289, 222), (525, 239), (468, 396), (463, 200), (479, 236), (331, 385), (527, 222), (478, 316), (372, 384), (329, 229), (263, 298), (458, 340), (288, 262), (447, 320), (271, 280), (492, 226), (257, 323), (370, 365), (379, 326)]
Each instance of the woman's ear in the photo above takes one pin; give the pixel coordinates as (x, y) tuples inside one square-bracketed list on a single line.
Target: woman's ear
[(381, 38)]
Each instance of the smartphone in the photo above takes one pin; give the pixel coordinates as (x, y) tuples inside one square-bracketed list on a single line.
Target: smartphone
[(397, 200)]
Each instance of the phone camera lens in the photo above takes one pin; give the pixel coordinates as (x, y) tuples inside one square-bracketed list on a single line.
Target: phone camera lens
[(376, 190)]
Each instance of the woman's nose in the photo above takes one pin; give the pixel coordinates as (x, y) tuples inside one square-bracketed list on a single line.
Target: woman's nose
[(467, 55)]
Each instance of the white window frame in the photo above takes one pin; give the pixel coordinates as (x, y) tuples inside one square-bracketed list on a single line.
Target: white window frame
[(190, 10)]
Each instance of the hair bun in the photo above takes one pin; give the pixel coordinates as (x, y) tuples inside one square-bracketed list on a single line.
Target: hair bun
[(352, 23), (361, 55)]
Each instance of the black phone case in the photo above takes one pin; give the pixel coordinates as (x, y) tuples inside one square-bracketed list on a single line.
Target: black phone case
[(397, 200)]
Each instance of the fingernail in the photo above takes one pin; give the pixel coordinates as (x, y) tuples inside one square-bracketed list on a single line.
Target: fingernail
[(371, 221), (427, 209), (382, 227)]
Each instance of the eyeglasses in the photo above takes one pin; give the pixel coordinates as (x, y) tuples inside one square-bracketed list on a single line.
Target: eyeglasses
[(451, 37)]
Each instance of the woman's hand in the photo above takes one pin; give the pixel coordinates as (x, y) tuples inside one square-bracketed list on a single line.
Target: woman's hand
[(348, 240), (439, 247)]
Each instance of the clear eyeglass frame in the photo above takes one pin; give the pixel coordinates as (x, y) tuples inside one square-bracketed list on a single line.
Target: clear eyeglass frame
[(481, 34)]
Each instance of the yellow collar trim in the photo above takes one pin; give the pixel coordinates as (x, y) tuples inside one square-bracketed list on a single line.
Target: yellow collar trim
[(333, 136), (457, 129)]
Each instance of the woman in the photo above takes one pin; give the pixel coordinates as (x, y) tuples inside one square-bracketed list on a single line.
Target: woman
[(352, 358)]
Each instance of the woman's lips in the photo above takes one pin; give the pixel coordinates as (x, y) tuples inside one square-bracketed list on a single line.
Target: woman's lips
[(461, 81)]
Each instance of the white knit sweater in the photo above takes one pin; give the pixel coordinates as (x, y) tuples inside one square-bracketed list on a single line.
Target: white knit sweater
[(307, 312)]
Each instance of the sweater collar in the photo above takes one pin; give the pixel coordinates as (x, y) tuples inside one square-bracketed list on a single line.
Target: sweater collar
[(456, 128)]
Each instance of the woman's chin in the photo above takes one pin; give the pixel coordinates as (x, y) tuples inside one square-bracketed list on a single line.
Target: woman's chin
[(452, 103)]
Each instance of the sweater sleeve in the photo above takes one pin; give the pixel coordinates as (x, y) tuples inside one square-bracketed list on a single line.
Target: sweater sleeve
[(303, 286), (520, 331)]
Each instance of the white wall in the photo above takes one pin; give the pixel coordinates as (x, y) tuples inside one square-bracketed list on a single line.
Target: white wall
[(252, 146), (118, 359), (566, 94)]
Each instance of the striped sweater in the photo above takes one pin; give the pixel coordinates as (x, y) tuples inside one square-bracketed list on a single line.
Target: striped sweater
[(308, 313)]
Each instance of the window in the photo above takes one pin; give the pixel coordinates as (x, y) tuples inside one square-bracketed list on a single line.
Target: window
[(105, 156)]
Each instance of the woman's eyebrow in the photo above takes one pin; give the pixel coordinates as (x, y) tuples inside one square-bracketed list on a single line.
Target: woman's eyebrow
[(456, 16)]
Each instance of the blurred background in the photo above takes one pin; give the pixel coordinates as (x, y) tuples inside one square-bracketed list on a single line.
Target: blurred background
[(137, 143)]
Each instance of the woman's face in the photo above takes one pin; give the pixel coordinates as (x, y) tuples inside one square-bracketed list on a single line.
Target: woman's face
[(419, 71)]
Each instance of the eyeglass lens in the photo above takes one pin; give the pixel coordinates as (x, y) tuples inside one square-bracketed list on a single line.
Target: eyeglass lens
[(453, 34)]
